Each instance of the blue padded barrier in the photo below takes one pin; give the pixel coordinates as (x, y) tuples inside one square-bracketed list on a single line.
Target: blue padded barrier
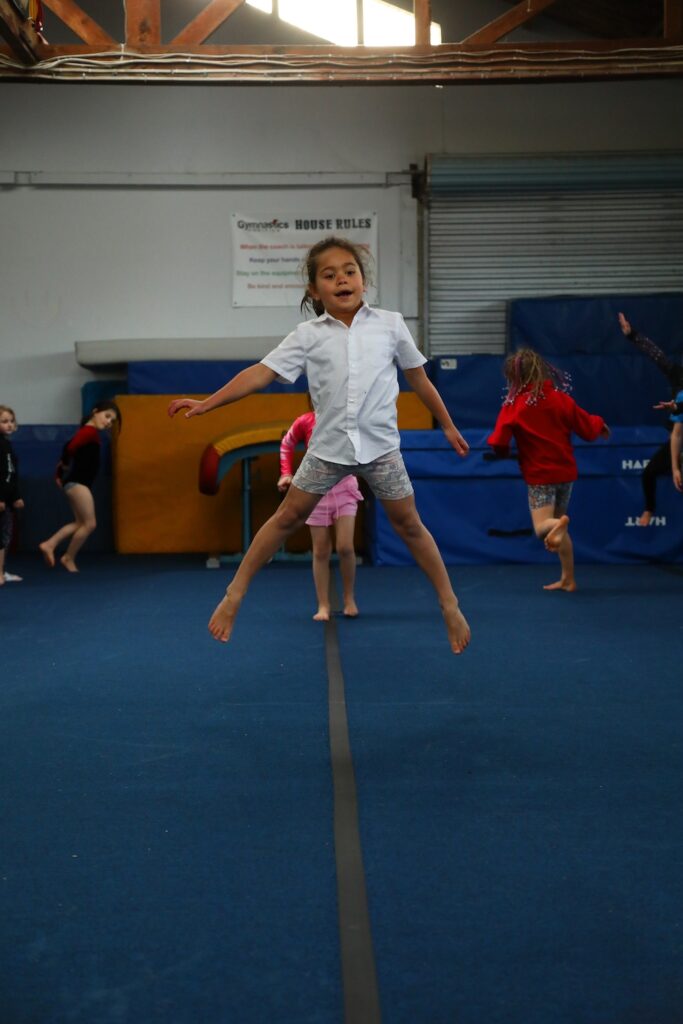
[(203, 377), (621, 388), (567, 324), (476, 508)]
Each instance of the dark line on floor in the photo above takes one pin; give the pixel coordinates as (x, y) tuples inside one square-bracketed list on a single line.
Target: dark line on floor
[(359, 978)]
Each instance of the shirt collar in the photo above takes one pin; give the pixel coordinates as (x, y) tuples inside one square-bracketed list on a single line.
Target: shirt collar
[(326, 316)]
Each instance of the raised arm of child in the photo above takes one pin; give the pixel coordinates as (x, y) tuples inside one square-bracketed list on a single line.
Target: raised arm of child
[(429, 396), (672, 372), (244, 383)]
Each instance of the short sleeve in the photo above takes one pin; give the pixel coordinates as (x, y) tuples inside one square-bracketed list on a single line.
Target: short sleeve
[(408, 356), (677, 417), (288, 360)]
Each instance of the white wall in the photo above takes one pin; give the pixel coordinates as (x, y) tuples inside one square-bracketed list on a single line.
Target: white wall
[(81, 262)]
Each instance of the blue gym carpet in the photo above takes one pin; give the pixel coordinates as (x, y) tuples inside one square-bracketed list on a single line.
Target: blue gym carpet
[(346, 823)]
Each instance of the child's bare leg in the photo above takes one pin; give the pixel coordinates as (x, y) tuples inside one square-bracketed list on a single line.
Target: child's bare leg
[(404, 518), (346, 552), (47, 547), (322, 552), (292, 513), (552, 530), (83, 507), (2, 567), (565, 553)]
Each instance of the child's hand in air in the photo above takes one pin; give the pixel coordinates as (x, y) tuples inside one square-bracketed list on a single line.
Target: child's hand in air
[(284, 482), (671, 405), (191, 404), (624, 324), (456, 440)]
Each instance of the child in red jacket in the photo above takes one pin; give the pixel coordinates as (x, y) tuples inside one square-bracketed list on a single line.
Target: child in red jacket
[(541, 417)]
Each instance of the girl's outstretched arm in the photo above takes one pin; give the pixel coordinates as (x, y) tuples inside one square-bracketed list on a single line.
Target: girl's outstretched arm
[(429, 396), (254, 378), (676, 445)]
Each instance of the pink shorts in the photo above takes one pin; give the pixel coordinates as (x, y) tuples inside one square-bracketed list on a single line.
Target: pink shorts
[(341, 500)]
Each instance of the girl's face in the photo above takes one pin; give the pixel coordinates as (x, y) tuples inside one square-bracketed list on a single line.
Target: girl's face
[(104, 419), (338, 284), (8, 424)]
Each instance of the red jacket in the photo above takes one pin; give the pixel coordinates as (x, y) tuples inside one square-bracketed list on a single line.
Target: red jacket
[(542, 430)]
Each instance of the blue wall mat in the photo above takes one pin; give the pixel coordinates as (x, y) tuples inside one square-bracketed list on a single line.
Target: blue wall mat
[(202, 377), (622, 388), (566, 324), (193, 377), (38, 450), (94, 391), (472, 388), (476, 508)]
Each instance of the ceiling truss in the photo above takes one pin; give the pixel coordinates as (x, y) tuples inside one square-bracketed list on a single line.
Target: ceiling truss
[(484, 56)]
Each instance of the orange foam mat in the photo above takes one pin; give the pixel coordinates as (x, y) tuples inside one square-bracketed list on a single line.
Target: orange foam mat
[(157, 505)]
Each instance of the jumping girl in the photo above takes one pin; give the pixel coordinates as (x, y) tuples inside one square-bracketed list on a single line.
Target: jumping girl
[(541, 417), (337, 508), (76, 472), (349, 354)]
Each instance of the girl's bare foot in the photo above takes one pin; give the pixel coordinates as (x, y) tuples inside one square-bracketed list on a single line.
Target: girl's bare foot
[(322, 614), (645, 518), (350, 609), (48, 554), (568, 585), (68, 563), (221, 622), (456, 626), (555, 537)]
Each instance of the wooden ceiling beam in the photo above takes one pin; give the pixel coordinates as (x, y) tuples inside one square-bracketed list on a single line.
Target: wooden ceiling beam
[(422, 11), (81, 24), (673, 20), (508, 22), (143, 23), (206, 23), (20, 34)]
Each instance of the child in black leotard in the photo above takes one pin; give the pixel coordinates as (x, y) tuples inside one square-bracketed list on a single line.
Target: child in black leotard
[(76, 472), (660, 463)]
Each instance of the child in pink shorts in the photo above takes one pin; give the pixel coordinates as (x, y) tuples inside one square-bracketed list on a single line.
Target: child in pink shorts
[(338, 507)]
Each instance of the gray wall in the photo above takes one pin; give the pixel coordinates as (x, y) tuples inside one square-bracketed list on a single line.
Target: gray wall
[(99, 241)]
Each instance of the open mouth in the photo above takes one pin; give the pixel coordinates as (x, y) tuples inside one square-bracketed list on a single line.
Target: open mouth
[(344, 293)]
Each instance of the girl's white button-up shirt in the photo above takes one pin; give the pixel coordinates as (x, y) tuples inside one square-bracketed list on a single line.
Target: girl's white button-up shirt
[(352, 379)]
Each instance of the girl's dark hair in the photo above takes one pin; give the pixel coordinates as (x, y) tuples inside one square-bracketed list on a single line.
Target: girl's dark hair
[(526, 368), (358, 252), (102, 406)]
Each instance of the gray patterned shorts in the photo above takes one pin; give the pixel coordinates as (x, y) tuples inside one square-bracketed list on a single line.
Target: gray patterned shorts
[(557, 495), (386, 476)]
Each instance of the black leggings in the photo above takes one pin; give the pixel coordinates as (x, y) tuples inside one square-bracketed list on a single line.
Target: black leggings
[(659, 465)]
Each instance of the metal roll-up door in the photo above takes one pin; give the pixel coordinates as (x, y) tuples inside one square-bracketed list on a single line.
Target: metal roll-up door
[(498, 230)]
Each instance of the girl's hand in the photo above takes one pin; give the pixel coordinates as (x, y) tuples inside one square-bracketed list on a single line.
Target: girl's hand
[(605, 432), (456, 440), (19, 503), (191, 404), (678, 482), (284, 482), (624, 324), (671, 405)]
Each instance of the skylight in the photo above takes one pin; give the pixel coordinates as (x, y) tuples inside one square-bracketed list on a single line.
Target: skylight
[(384, 24)]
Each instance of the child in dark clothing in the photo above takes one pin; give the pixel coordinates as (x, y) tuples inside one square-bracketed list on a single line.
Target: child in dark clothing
[(541, 417), (660, 463), (76, 474), (10, 497)]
